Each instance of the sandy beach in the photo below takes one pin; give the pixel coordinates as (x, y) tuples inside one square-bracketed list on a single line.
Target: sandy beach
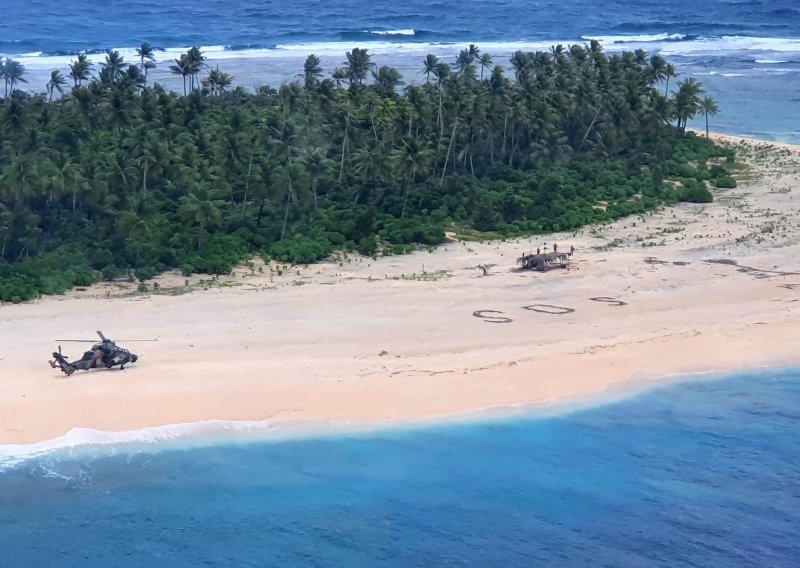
[(691, 288)]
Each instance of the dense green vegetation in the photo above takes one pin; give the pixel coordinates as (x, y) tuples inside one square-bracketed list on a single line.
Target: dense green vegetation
[(115, 176)]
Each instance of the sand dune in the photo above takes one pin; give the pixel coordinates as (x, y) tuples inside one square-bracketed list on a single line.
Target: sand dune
[(687, 289)]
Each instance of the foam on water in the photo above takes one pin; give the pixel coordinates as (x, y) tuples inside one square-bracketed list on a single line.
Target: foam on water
[(87, 441), (393, 32), (633, 38), (667, 44)]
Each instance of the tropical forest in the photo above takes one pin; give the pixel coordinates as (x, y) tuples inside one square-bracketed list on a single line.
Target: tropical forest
[(105, 175)]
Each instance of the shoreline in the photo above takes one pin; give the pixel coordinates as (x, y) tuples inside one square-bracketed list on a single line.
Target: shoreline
[(388, 342), (181, 436)]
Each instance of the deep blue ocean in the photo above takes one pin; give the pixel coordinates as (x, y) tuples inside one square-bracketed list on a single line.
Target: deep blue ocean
[(746, 52), (704, 472)]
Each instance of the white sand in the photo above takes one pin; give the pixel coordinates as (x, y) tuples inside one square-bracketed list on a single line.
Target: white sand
[(365, 341)]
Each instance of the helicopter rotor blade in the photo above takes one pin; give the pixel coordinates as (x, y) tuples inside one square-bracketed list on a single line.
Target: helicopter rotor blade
[(95, 341)]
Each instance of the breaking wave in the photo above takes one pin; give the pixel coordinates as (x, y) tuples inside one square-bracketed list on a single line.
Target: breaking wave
[(762, 50), (82, 441)]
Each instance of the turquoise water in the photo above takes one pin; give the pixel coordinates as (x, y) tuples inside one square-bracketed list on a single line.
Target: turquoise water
[(699, 473)]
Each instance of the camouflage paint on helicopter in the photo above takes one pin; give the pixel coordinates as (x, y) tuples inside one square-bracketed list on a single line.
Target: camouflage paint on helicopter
[(105, 354)]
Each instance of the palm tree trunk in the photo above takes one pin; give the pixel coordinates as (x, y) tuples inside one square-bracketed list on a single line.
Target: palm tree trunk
[(260, 213), (503, 148), (441, 118), (706, 124), (344, 146), (405, 197), (286, 213), (247, 182), (449, 147), (314, 191)]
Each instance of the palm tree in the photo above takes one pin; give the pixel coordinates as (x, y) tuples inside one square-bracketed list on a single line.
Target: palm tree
[(520, 61), (316, 165), (79, 70), (656, 72), (312, 70), (708, 106), (410, 159), (145, 51), (687, 100), (199, 208), (195, 60), (12, 73), (357, 65), (133, 76), (182, 67), (217, 81), (463, 61), (113, 67), (285, 181), (339, 74), (387, 80), (6, 221), (429, 66), (486, 61), (56, 83), (668, 72)]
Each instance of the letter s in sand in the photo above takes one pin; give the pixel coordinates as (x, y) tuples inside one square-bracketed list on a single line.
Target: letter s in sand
[(491, 319)]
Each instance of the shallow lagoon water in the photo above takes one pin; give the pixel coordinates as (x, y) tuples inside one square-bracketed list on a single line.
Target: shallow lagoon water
[(700, 473)]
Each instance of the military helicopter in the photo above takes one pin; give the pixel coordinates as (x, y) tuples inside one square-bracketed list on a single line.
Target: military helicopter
[(103, 354)]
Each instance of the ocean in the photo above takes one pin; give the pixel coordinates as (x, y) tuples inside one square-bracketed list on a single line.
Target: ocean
[(703, 472), (745, 52)]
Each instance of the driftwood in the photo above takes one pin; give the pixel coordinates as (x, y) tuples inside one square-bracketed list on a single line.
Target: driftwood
[(485, 269)]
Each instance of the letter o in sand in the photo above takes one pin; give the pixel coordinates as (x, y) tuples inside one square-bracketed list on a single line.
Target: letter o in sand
[(609, 301), (491, 319), (548, 309)]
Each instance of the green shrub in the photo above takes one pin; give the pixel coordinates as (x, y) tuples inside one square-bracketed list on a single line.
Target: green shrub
[(368, 245), (717, 171), (145, 273), (724, 182), (110, 271), (409, 231), (300, 249), (695, 192)]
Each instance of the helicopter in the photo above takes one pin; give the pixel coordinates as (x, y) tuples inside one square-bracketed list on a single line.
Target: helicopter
[(105, 354)]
